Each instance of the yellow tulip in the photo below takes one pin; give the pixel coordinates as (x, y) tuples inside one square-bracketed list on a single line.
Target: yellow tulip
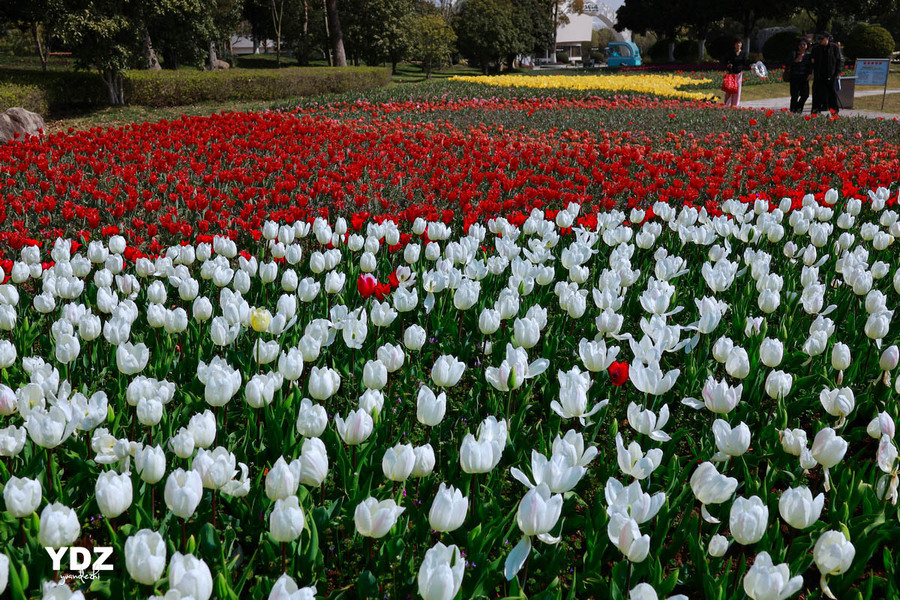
[(260, 319), (655, 84)]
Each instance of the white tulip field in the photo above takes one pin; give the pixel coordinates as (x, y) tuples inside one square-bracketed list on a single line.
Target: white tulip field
[(630, 405)]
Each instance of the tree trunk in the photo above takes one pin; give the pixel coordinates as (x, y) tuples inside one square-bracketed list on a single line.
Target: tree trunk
[(277, 20), (114, 86), (337, 38), (170, 57), (213, 58), (671, 49), (701, 49), (328, 51), (42, 49), (151, 62), (303, 59)]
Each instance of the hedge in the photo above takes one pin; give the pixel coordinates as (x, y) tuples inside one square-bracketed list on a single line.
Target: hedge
[(28, 97), (66, 90), (175, 88), (61, 89)]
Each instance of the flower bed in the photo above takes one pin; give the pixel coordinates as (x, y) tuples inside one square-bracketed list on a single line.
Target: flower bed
[(657, 85), (440, 347), (195, 177)]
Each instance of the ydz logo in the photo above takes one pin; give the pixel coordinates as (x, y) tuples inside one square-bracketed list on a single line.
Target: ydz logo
[(80, 558)]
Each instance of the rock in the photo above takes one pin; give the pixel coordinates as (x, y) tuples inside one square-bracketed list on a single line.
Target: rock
[(19, 121)]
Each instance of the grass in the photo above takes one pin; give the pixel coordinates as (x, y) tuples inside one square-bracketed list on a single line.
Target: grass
[(891, 103), (414, 73)]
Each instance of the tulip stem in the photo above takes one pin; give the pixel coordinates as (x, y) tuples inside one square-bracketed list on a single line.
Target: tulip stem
[(50, 470), (183, 536), (214, 508), (283, 557), (628, 577)]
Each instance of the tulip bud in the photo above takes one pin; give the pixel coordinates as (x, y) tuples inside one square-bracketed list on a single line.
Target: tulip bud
[(718, 546), (441, 573), (798, 508), (771, 352), (58, 526), (114, 493), (748, 520), (22, 496), (145, 556), (184, 490), (374, 519), (448, 511), (190, 576), (150, 463)]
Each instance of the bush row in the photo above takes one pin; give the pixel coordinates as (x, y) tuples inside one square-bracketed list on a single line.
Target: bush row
[(55, 91), (175, 88), (29, 97)]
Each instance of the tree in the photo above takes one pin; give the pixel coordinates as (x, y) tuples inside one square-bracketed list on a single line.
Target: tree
[(823, 11), (663, 17), (37, 17), (278, 27), (749, 12), (431, 40), (105, 35), (178, 28), (335, 34), (383, 32), (534, 23), (700, 15), (486, 31)]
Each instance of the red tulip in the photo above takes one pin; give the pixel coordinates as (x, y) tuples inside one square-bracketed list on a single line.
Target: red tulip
[(366, 285), (618, 372)]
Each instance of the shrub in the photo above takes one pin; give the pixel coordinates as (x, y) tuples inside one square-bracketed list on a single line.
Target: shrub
[(28, 97), (174, 88), (65, 90), (720, 47), (778, 48), (562, 57), (61, 89), (869, 41)]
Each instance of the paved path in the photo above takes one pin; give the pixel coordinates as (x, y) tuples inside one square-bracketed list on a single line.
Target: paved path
[(785, 103)]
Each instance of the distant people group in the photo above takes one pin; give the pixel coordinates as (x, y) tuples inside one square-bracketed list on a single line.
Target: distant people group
[(822, 64)]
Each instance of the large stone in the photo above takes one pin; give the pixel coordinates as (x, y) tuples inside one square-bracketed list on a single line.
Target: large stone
[(19, 121)]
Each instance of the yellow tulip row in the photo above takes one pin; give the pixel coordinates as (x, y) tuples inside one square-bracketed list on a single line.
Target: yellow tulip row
[(658, 85)]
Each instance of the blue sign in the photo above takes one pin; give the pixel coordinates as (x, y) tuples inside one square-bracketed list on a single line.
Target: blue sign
[(872, 71)]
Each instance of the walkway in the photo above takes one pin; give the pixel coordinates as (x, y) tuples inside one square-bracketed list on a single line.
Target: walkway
[(785, 103)]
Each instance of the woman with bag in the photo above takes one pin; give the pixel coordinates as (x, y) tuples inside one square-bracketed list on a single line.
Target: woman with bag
[(798, 71), (735, 66)]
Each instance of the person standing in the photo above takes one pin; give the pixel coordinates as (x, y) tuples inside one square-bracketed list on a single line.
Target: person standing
[(827, 62), (801, 70), (736, 64)]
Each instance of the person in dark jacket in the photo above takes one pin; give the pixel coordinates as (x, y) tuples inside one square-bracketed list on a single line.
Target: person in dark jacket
[(827, 62), (736, 63), (801, 71)]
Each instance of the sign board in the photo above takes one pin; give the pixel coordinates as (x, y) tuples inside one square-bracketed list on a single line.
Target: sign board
[(872, 71)]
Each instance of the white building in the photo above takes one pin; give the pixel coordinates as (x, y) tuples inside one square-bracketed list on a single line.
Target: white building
[(241, 46), (570, 36)]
